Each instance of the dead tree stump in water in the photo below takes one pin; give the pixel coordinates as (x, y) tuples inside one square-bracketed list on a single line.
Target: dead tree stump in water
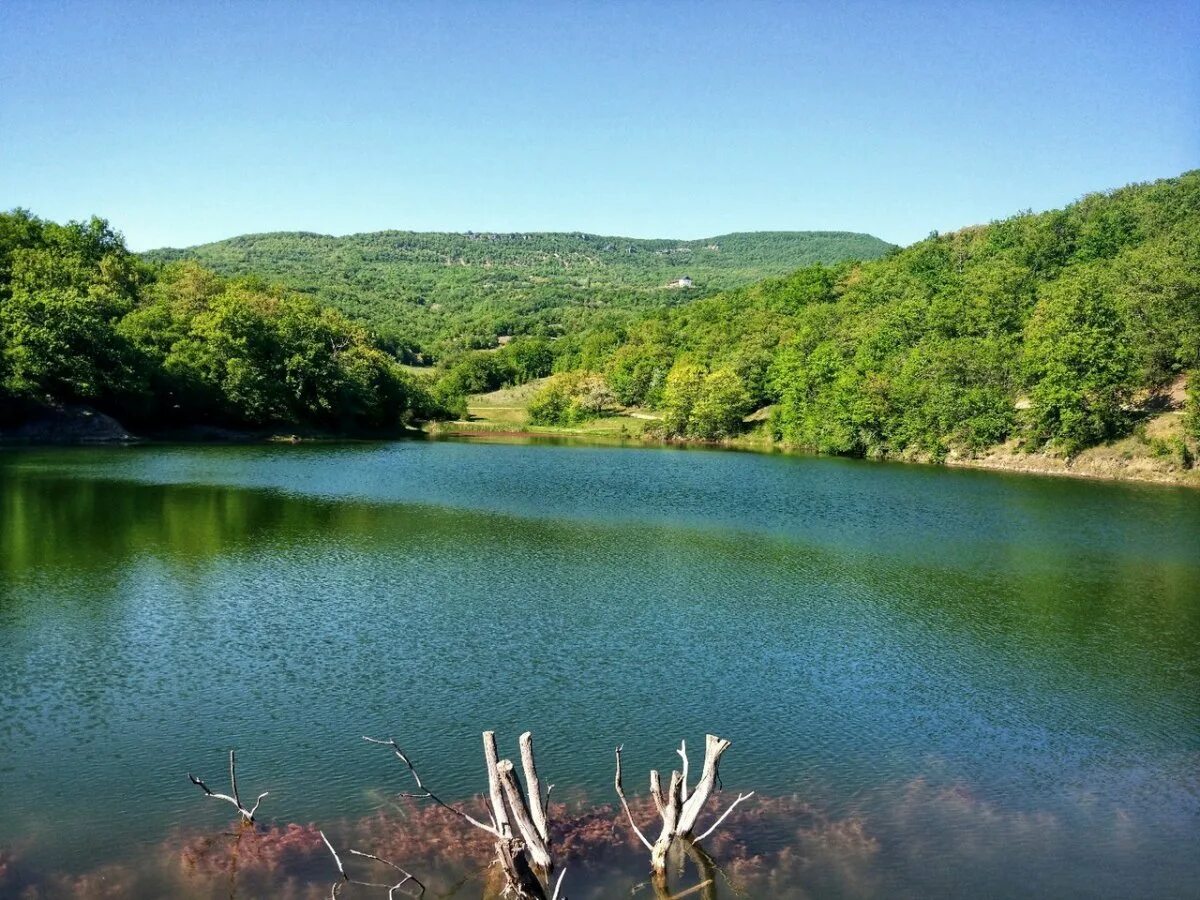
[(524, 855), (680, 808)]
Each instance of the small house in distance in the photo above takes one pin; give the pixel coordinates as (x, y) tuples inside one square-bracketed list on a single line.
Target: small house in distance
[(684, 281)]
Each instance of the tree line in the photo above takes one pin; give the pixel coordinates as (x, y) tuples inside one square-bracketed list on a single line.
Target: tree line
[(82, 320), (1059, 329), (441, 293)]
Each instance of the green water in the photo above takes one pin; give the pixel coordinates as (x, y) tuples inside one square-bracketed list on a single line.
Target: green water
[(993, 681)]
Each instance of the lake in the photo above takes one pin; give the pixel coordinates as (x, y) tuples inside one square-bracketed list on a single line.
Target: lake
[(939, 682)]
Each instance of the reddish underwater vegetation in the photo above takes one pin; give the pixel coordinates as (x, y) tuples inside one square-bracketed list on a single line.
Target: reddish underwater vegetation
[(291, 861), (929, 838)]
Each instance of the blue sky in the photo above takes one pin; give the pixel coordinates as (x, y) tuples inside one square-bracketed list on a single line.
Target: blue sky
[(186, 122)]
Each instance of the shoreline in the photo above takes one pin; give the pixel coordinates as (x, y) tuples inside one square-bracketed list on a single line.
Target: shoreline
[(1095, 463), (1118, 461)]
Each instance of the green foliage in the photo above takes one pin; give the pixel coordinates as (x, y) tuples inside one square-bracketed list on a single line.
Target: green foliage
[(720, 406), (682, 390), (64, 290), (1051, 329), (1191, 409), (455, 292), (1047, 328), (1078, 362), (529, 358), (1174, 449), (571, 398), (703, 405), (82, 319), (475, 373)]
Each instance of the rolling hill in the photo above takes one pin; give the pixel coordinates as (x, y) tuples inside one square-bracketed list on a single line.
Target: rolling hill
[(448, 291)]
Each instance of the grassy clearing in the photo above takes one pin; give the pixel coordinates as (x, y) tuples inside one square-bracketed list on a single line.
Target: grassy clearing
[(507, 411)]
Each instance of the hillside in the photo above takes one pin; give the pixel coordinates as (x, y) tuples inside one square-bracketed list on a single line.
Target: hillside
[(1044, 334), (447, 291), (1048, 332)]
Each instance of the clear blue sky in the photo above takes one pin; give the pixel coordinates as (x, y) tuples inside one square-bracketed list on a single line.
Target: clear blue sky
[(185, 122)]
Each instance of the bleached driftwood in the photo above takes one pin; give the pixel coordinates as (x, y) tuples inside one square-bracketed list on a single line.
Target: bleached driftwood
[(679, 808), (525, 857), (236, 800)]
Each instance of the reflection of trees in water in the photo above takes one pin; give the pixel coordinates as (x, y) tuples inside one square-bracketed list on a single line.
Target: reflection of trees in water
[(95, 525)]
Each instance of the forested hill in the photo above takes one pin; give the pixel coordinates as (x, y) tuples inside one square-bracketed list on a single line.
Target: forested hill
[(1060, 330), (1064, 328), (447, 291)]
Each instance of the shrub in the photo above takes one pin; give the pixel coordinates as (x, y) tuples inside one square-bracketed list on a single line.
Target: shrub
[(571, 398)]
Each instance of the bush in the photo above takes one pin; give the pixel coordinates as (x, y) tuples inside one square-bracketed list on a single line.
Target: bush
[(571, 398), (704, 405)]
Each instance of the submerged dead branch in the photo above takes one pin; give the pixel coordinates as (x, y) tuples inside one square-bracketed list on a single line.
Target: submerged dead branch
[(680, 808), (518, 827), (235, 799), (625, 803), (392, 888), (423, 793)]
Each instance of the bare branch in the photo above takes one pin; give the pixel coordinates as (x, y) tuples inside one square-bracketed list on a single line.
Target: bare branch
[(538, 853), (672, 806), (724, 815), (233, 779), (692, 890), (425, 793), (714, 748), (337, 859), (678, 806), (246, 814), (558, 885), (408, 876), (257, 801), (492, 758), (625, 803), (346, 879), (533, 787), (656, 793), (682, 751)]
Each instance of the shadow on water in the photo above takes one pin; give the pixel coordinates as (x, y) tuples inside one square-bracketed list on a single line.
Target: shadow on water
[(940, 685)]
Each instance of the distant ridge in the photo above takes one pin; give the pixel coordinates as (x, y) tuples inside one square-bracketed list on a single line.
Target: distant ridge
[(466, 288)]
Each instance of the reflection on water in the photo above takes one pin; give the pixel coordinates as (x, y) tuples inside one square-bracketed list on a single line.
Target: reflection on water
[(942, 682)]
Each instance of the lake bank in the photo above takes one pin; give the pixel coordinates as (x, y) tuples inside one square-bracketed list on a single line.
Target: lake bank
[(1152, 456)]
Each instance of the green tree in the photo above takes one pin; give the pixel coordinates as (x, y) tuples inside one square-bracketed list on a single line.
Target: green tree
[(685, 382), (571, 398), (62, 301), (721, 403), (1078, 363), (528, 358)]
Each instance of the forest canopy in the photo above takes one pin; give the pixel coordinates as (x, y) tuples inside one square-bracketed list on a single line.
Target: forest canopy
[(446, 292), (1056, 329), (83, 320)]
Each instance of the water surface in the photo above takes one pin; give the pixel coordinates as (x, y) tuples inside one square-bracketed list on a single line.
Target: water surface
[(993, 681)]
